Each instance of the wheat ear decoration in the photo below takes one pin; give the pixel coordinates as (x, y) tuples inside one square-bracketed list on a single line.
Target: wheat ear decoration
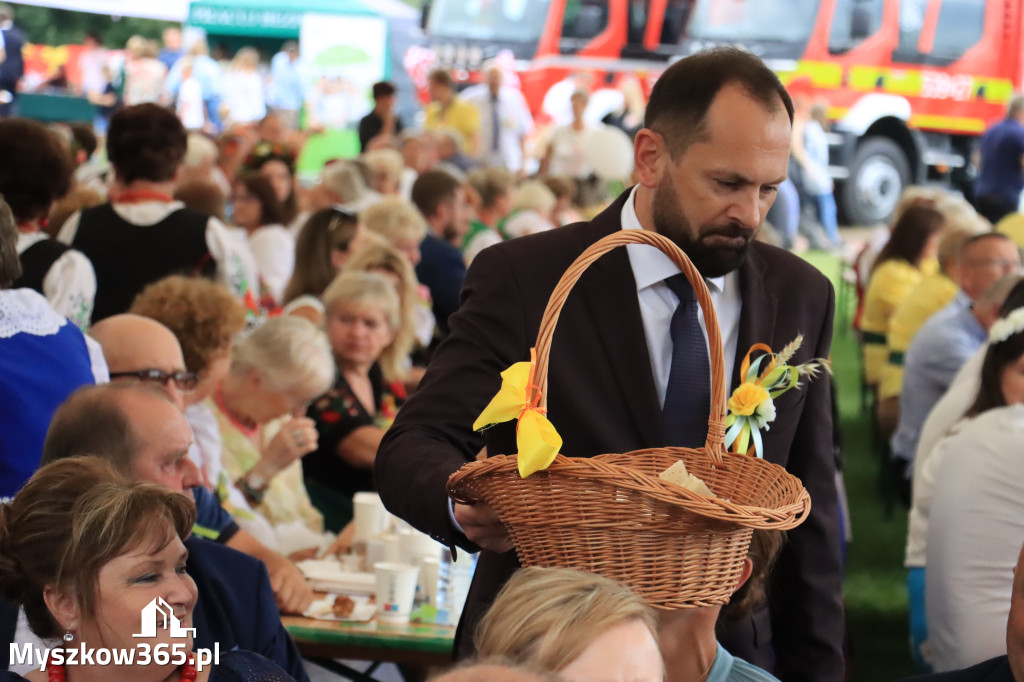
[(792, 347)]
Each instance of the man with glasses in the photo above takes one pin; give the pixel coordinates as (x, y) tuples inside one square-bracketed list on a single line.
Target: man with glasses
[(139, 349)]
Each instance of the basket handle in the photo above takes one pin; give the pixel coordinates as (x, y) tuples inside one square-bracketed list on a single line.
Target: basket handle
[(715, 443)]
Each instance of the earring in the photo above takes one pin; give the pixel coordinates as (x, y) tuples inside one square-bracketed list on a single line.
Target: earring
[(69, 636)]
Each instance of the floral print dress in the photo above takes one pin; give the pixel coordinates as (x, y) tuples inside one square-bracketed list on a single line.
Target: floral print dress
[(330, 480)]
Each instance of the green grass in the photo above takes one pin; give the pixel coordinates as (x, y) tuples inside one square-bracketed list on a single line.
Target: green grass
[(874, 591)]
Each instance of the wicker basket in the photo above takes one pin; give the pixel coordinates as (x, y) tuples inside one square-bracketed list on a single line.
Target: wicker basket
[(612, 515)]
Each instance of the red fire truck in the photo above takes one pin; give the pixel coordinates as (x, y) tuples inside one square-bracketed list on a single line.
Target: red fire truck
[(909, 84)]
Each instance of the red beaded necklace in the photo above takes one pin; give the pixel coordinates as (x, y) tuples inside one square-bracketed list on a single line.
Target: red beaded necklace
[(188, 671), (246, 426)]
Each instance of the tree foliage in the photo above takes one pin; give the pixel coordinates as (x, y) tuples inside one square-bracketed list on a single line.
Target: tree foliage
[(48, 26)]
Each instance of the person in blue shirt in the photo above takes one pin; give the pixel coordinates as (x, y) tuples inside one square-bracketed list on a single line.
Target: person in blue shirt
[(43, 358), (1001, 165), (287, 92)]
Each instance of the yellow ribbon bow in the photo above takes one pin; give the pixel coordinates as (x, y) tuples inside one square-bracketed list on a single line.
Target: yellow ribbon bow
[(519, 398)]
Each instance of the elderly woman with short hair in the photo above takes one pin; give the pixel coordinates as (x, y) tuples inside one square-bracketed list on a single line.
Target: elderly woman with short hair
[(260, 408)]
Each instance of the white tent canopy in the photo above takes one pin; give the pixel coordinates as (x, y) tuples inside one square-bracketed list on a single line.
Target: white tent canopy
[(168, 10)]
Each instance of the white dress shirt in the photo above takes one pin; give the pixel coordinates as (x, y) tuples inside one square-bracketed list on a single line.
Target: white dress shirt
[(514, 123), (651, 268)]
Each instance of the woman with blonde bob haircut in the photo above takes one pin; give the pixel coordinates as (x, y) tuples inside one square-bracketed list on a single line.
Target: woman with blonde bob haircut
[(584, 627), (85, 551), (385, 259), (363, 316), (397, 221)]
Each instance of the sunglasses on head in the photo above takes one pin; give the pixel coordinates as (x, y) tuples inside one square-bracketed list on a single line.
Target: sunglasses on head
[(183, 381)]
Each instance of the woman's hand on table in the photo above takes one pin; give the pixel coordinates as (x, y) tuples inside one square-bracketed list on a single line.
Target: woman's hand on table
[(481, 524), (345, 540), (292, 593), (303, 554), (297, 438)]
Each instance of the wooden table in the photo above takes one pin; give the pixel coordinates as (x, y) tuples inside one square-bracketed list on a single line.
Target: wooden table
[(323, 641)]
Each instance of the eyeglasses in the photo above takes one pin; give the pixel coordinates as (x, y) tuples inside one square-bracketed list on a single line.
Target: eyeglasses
[(183, 381)]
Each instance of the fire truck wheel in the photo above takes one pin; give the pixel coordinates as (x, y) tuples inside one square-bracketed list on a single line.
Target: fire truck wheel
[(878, 174)]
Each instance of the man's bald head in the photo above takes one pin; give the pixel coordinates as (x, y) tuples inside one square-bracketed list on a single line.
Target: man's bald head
[(133, 343)]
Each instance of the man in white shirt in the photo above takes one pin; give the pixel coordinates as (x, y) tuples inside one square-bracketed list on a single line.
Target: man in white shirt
[(709, 161), (505, 120)]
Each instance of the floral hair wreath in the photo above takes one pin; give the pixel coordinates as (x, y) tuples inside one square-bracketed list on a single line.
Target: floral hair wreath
[(268, 151), (1005, 327)]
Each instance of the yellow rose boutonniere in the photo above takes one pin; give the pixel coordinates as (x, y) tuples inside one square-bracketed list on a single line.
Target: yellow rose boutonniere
[(746, 398), (752, 404)]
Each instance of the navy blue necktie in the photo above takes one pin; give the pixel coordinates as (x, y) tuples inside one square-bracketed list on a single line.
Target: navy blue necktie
[(688, 396), (495, 124)]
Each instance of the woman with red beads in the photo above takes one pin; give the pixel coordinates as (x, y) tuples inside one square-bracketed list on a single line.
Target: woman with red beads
[(98, 564)]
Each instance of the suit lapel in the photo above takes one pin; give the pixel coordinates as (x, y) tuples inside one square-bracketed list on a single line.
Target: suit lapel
[(609, 290), (757, 312)]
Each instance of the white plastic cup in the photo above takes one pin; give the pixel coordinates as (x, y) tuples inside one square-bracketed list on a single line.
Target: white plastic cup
[(414, 545), (370, 516), (396, 589), (430, 571), (392, 549), (374, 553)]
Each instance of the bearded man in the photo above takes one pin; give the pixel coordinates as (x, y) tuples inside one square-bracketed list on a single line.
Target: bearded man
[(629, 364)]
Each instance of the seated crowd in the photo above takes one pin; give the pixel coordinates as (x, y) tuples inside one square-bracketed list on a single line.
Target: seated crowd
[(941, 322), (197, 369)]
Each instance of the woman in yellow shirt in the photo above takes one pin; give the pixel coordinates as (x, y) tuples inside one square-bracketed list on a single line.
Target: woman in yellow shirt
[(901, 264)]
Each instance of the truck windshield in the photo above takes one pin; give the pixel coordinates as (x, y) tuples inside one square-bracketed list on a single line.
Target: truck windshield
[(784, 21), (489, 20)]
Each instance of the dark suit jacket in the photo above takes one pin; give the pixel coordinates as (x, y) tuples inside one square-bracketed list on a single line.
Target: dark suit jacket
[(236, 606), (443, 270), (13, 67), (602, 398), (992, 670)]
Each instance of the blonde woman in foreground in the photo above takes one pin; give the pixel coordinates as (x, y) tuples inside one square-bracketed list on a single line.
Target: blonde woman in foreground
[(587, 628)]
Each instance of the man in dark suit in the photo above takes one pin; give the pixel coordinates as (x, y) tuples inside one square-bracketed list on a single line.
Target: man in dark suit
[(441, 198), (708, 162)]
